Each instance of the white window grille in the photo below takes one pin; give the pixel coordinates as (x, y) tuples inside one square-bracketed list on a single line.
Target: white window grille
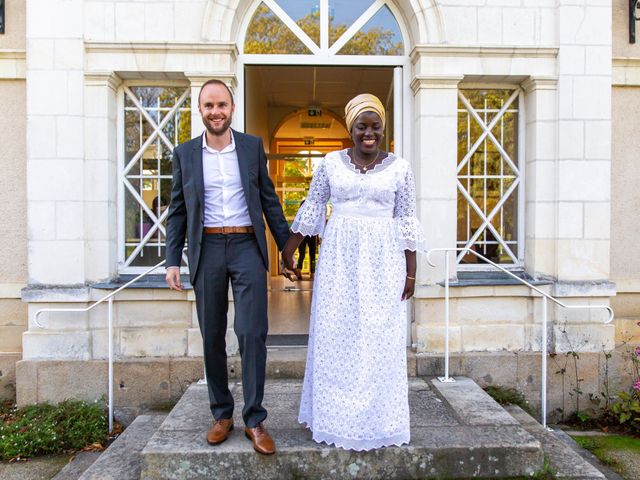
[(324, 27), (156, 119), (490, 190)]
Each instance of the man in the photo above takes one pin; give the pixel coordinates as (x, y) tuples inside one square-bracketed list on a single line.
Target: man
[(221, 189)]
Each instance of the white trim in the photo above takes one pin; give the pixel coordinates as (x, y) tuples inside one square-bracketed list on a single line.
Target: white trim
[(159, 47), (625, 72), (481, 52), (321, 59), (398, 133), (11, 290), (522, 161), (13, 64), (120, 157), (324, 25)]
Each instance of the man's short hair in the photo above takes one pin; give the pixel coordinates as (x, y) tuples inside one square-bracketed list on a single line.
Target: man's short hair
[(215, 81)]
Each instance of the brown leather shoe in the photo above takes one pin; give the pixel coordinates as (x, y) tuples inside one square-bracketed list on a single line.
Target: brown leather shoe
[(219, 431), (262, 441)]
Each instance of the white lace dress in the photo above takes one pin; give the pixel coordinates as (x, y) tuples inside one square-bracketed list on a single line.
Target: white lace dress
[(355, 392)]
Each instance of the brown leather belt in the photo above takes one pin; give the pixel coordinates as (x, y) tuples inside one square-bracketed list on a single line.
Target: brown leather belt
[(225, 230)]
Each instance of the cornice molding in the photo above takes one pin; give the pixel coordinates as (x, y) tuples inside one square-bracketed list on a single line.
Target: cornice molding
[(482, 52), (198, 78), (13, 64), (435, 81), (625, 72), (161, 47), (540, 83), (106, 79)]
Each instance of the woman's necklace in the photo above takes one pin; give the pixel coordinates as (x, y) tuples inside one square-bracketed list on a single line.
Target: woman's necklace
[(364, 166)]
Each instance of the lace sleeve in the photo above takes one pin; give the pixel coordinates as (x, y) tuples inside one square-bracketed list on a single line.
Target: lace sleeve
[(312, 214), (408, 228)]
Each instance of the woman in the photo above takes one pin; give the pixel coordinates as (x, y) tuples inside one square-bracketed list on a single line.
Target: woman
[(355, 392)]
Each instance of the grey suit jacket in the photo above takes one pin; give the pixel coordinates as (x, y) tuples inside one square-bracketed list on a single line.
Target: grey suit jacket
[(186, 211)]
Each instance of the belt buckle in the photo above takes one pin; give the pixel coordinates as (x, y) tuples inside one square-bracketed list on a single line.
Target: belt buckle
[(226, 230)]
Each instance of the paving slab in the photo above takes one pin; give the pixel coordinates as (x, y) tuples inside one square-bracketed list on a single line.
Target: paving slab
[(565, 461), (447, 441), (121, 461)]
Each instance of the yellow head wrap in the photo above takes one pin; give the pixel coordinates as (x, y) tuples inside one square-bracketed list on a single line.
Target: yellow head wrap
[(364, 102)]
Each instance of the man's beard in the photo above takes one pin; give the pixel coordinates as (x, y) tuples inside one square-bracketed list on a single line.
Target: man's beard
[(218, 131)]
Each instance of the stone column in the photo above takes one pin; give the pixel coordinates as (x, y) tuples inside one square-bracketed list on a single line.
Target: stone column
[(101, 175), (435, 163), (540, 175), (436, 157)]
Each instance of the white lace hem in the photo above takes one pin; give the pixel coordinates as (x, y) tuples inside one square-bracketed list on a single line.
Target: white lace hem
[(410, 235), (357, 444), (310, 219)]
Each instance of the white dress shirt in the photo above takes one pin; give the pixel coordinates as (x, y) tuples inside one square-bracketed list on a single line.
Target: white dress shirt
[(224, 201)]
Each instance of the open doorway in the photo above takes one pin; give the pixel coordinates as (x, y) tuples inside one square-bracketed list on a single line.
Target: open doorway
[(298, 111)]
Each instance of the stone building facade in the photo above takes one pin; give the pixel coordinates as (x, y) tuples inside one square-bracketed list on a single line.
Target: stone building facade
[(546, 92)]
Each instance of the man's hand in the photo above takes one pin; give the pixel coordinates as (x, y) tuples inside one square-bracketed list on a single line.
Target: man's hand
[(173, 279), (286, 271)]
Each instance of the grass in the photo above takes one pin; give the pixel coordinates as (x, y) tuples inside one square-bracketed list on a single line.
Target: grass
[(44, 429), (608, 448), (508, 396)]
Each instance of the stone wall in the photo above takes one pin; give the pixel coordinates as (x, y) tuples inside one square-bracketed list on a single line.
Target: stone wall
[(625, 171), (13, 193)]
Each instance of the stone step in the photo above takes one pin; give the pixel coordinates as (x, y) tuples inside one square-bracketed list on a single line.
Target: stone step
[(121, 461), (563, 460), (457, 431)]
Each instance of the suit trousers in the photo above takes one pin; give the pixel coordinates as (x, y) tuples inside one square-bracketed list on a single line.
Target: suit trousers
[(235, 258)]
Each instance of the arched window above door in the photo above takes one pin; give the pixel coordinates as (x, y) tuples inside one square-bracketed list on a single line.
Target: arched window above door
[(330, 27)]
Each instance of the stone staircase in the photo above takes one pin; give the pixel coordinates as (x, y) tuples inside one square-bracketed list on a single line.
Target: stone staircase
[(457, 431)]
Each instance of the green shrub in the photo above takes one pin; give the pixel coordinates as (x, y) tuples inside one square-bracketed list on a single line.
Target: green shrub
[(627, 410), (46, 429)]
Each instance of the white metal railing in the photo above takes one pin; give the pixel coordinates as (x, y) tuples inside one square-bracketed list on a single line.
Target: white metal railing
[(108, 298), (545, 298)]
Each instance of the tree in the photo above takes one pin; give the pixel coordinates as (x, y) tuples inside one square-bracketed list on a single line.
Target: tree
[(267, 34)]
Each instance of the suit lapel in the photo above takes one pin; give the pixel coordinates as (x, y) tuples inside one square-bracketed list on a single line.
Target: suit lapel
[(197, 171), (243, 162)]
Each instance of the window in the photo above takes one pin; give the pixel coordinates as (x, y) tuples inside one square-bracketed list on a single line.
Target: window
[(342, 27), (489, 175), (2, 19), (156, 119)]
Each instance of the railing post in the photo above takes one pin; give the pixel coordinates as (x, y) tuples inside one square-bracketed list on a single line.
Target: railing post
[(543, 389), (446, 377), (110, 333)]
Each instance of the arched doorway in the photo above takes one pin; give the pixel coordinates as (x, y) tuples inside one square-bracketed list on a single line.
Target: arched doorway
[(301, 61)]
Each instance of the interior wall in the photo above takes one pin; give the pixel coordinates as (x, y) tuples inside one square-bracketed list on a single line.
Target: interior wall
[(256, 108)]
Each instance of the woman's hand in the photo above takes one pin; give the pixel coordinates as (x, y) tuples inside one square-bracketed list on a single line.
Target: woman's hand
[(410, 280), (287, 255), (409, 288)]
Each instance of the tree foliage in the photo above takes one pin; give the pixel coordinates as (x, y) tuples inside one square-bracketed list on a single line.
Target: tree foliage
[(267, 34)]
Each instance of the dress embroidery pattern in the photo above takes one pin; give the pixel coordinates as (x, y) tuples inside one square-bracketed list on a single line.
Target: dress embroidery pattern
[(355, 391)]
